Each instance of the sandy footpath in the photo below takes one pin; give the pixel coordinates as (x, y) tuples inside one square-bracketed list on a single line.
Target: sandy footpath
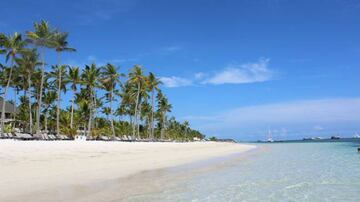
[(30, 169)]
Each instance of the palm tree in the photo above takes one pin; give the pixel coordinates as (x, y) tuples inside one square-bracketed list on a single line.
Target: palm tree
[(163, 108), (186, 128), (49, 99), (73, 77), (12, 46), (127, 103), (27, 64), (42, 38), (136, 78), (90, 78), (110, 77), (152, 84), (59, 73), (60, 45)]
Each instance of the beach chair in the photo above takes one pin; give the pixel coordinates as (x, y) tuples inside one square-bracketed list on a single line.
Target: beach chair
[(104, 138), (23, 136), (52, 137)]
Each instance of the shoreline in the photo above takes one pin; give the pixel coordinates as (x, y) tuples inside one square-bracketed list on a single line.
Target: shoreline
[(41, 169)]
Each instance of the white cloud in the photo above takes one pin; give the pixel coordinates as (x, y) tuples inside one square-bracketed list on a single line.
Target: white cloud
[(101, 10), (199, 75), (93, 59), (174, 81), (318, 128), (234, 74), (243, 73), (172, 48), (329, 113)]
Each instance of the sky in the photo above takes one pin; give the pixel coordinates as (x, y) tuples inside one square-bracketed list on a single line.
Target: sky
[(233, 68)]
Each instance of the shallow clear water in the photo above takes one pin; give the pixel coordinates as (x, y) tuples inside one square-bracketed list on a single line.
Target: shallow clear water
[(277, 172)]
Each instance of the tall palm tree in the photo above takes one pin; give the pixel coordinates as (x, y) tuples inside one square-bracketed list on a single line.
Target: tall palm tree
[(60, 45), (90, 79), (59, 73), (163, 107), (110, 77), (152, 84), (49, 99), (41, 37), (136, 78), (11, 46), (27, 64), (186, 128), (73, 77)]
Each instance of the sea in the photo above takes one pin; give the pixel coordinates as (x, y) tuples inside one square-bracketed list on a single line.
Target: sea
[(287, 171)]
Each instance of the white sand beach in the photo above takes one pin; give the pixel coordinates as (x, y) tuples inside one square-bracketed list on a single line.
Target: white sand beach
[(32, 170)]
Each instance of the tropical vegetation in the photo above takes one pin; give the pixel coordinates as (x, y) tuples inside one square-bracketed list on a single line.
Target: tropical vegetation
[(103, 100)]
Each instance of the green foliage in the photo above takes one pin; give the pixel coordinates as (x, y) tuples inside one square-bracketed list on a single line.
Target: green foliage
[(135, 100), (8, 128)]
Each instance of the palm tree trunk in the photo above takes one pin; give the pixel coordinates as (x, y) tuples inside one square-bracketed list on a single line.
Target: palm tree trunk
[(14, 107), (111, 116), (136, 110), (90, 115), (30, 110), (72, 111), (45, 119), (139, 119), (4, 98), (94, 110), (162, 132), (58, 99), (40, 94), (152, 115)]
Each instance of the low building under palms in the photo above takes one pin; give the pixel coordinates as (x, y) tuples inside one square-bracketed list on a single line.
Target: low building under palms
[(9, 110)]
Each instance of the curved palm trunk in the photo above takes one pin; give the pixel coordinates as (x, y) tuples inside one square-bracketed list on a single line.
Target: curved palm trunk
[(45, 119), (72, 110), (58, 107), (30, 110), (90, 115), (40, 95), (14, 107), (58, 99), (111, 116), (4, 98), (152, 115), (162, 132), (136, 111), (94, 124), (139, 120)]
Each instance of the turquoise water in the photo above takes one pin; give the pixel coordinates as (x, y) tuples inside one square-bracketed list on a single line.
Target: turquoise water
[(276, 172)]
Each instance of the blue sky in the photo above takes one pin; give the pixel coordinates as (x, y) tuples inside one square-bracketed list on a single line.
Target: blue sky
[(232, 68)]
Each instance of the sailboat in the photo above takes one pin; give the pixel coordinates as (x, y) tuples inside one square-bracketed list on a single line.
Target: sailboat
[(269, 136)]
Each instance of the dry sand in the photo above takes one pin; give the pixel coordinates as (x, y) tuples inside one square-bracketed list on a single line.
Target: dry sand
[(63, 170)]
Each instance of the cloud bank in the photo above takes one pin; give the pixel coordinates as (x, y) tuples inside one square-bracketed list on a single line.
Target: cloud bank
[(317, 115), (174, 81), (243, 73), (232, 74)]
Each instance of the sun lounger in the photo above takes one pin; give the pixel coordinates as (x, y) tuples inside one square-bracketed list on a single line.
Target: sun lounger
[(52, 137), (23, 136), (3, 136)]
